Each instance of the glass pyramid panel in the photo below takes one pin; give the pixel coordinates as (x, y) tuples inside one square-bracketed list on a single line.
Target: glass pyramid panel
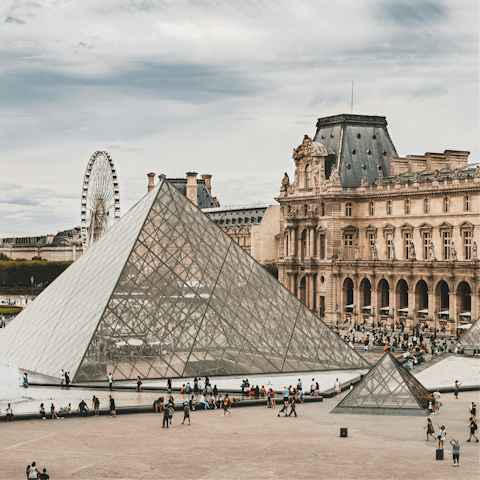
[(388, 387), (165, 292), (471, 339)]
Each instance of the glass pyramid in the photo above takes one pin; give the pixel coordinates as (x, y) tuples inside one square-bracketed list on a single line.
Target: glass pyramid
[(388, 388), (165, 292), (471, 338)]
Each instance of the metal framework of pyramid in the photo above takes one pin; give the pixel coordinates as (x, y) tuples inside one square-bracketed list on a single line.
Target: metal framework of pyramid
[(166, 293), (387, 389), (471, 338)]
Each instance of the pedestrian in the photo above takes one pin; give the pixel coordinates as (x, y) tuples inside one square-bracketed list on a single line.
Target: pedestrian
[(62, 377), (82, 406), (312, 387), (186, 413), (110, 381), (195, 384), (299, 384), (226, 405), (96, 405), (337, 387), (272, 398), (432, 404), (215, 391), (139, 384), (43, 415), (9, 413), (438, 403), (455, 451), (113, 411), (362, 374), (169, 385), (455, 391), (473, 411), (292, 406), (473, 429), (32, 471), (430, 429), (67, 379), (44, 475), (54, 412), (166, 417), (25, 380), (442, 432)]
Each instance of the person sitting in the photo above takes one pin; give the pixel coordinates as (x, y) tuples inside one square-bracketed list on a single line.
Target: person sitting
[(187, 388), (82, 406), (192, 402), (68, 409), (215, 391), (203, 402)]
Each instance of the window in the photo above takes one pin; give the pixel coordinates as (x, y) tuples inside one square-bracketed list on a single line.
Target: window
[(407, 241), (408, 206), (446, 245), (467, 242), (322, 209), (371, 237), (308, 176), (348, 210), (322, 247), (426, 205), (426, 245), (371, 209), (389, 207), (446, 204), (349, 246), (390, 246), (467, 203)]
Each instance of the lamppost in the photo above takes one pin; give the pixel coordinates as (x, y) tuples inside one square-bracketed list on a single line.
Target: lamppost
[(32, 280)]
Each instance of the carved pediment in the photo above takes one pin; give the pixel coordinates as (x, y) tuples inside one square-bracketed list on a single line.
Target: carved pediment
[(425, 227), (350, 229), (388, 228), (406, 227), (321, 229), (445, 226), (309, 148), (466, 226)]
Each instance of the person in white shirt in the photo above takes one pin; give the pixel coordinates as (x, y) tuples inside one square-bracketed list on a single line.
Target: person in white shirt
[(438, 403), (312, 387), (62, 377), (337, 387), (200, 384), (110, 381)]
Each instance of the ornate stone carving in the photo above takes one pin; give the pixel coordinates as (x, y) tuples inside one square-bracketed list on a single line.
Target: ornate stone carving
[(380, 180), (453, 252), (431, 253), (312, 210), (411, 251), (392, 252), (364, 182), (477, 171), (418, 177), (374, 252), (340, 252), (458, 173), (334, 176), (438, 175), (357, 252), (474, 252)]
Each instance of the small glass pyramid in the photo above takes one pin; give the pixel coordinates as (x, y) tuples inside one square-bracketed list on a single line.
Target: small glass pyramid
[(388, 388), (471, 338), (166, 293)]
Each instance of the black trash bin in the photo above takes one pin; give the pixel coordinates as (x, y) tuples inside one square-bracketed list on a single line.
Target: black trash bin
[(439, 454), (343, 432)]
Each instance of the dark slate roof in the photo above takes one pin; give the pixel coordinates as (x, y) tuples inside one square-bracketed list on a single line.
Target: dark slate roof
[(204, 197), (238, 215), (361, 144)]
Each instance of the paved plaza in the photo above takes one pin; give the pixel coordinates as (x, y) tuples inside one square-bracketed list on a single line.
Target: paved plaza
[(251, 443)]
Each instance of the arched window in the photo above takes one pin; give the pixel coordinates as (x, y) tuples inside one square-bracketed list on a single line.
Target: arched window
[(426, 206), (467, 203), (446, 204), (308, 176), (389, 207), (408, 206), (371, 209), (348, 210)]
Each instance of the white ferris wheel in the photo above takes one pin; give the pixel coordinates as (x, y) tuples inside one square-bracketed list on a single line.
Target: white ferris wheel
[(100, 198)]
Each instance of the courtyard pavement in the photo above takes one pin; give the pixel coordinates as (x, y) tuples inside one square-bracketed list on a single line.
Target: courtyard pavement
[(251, 443)]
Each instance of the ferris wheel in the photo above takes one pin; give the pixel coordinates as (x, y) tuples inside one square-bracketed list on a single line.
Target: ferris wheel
[(100, 198)]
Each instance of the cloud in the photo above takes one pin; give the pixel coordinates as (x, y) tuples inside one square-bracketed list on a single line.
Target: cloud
[(414, 14), (14, 20)]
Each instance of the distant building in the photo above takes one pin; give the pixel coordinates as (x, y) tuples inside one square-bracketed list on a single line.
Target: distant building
[(255, 227), (367, 236), (64, 246)]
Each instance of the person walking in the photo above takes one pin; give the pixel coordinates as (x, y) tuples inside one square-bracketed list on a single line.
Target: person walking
[(271, 394), (110, 381), (43, 415), (9, 413), (432, 402), (44, 475), (337, 387), (455, 451), (473, 411), (67, 379), (139, 384), (62, 377), (455, 390), (312, 387), (113, 411), (292, 406), (54, 412), (442, 433), (25, 380), (166, 417), (226, 405), (96, 405), (473, 429), (430, 429), (284, 409), (32, 471), (186, 413), (438, 403)]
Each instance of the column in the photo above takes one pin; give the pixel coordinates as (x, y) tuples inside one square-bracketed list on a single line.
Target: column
[(474, 302), (411, 305), (312, 242), (452, 305), (374, 303), (293, 244), (311, 291), (431, 304), (392, 301)]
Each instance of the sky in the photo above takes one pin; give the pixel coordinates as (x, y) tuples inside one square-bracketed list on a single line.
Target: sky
[(227, 88)]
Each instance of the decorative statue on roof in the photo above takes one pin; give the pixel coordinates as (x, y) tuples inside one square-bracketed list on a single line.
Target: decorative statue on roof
[(438, 175), (340, 252), (453, 252), (477, 171), (431, 253), (380, 180), (458, 173), (286, 180), (418, 177), (357, 252), (392, 252), (334, 176), (411, 252), (374, 252), (315, 175), (312, 210), (364, 182), (474, 252)]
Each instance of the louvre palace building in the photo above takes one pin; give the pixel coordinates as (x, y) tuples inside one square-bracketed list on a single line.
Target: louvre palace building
[(368, 236)]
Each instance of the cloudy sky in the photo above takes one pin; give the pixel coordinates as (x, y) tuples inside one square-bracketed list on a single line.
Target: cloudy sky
[(221, 87)]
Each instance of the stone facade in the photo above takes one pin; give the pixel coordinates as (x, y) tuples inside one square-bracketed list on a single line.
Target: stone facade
[(399, 245)]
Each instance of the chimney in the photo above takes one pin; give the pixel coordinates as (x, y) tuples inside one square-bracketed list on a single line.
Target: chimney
[(192, 187), (162, 176), (151, 180), (208, 182)]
